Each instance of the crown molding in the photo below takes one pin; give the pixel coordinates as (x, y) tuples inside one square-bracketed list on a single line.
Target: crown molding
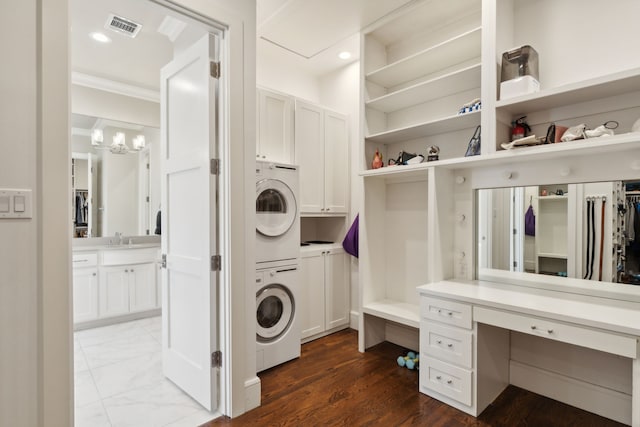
[(100, 83)]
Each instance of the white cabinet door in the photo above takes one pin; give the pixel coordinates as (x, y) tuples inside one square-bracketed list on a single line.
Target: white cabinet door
[(114, 291), (142, 287), (311, 304), (336, 162), (85, 294), (275, 127), (309, 131), (337, 290)]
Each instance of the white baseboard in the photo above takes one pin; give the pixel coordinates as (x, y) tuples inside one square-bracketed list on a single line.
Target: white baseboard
[(252, 390), (590, 397)]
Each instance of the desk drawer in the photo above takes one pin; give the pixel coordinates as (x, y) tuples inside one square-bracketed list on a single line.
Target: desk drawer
[(85, 259), (446, 379), (451, 344), (445, 311), (597, 339)]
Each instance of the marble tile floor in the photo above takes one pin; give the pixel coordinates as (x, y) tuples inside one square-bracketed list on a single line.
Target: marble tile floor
[(119, 381)]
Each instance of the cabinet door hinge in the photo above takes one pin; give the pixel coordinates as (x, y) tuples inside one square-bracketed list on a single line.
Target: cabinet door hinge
[(163, 263), (216, 263), (515, 264), (215, 167), (215, 70), (216, 359)]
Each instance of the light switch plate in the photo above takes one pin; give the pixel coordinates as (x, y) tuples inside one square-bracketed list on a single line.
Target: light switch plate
[(19, 203)]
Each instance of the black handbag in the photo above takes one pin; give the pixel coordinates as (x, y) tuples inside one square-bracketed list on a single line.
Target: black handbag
[(473, 149)]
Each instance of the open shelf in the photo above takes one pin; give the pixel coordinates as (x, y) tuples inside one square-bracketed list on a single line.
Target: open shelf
[(552, 255), (453, 51), (433, 127), (415, 171), (457, 81), (553, 197), (587, 90), (395, 311)]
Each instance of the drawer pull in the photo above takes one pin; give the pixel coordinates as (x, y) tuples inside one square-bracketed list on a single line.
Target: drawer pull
[(439, 341), (438, 377), (449, 381), (549, 331), (80, 260), (449, 345), (94, 274), (534, 327), (450, 313)]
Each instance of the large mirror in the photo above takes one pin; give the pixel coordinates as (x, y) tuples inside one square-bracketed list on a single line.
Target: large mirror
[(587, 231), (114, 177)]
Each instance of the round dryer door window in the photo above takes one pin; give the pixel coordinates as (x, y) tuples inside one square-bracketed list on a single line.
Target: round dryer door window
[(274, 312), (275, 207)]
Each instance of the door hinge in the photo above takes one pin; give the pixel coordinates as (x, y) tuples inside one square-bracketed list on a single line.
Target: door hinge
[(163, 263), (215, 69), (216, 263), (148, 166), (515, 231), (147, 199), (515, 264), (215, 167), (216, 359)]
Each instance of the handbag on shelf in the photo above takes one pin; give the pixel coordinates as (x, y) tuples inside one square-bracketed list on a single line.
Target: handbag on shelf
[(473, 149)]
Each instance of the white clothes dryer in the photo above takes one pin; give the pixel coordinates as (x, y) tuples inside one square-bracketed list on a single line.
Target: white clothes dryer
[(277, 212), (277, 317)]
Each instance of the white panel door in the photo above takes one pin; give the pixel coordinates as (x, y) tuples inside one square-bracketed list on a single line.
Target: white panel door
[(336, 162), (189, 212), (336, 284), (311, 300), (142, 287), (275, 127), (309, 130)]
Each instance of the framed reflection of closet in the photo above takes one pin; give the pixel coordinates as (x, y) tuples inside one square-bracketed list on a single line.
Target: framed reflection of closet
[(630, 212), (81, 195)]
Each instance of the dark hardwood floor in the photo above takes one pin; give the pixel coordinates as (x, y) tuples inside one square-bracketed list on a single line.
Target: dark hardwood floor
[(332, 384)]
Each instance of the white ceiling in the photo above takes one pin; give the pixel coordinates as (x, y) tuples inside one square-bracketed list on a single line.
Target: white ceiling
[(307, 34)]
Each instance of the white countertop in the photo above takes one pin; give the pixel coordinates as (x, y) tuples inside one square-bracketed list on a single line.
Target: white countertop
[(115, 247), (604, 313)]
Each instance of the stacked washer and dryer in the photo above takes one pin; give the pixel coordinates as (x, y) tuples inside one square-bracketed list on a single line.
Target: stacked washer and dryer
[(277, 254)]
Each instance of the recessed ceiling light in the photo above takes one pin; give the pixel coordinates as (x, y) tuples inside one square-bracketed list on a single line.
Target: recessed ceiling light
[(344, 55), (99, 37)]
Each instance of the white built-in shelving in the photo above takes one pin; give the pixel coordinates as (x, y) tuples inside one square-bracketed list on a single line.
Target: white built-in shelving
[(430, 60)]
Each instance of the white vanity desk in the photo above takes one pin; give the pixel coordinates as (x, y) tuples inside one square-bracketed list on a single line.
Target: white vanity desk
[(465, 348)]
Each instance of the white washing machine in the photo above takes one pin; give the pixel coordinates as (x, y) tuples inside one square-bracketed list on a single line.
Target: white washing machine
[(277, 212), (277, 317)]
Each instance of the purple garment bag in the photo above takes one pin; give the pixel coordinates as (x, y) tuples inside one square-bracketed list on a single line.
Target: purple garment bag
[(350, 242)]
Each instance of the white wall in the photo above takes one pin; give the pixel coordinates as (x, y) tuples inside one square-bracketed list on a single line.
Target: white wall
[(287, 78), (108, 105), (340, 91), (19, 344)]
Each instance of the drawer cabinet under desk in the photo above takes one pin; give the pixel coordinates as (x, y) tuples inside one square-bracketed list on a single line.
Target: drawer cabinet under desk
[(449, 358), (478, 337)]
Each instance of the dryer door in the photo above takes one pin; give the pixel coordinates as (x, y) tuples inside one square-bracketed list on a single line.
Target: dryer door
[(274, 313), (275, 207)]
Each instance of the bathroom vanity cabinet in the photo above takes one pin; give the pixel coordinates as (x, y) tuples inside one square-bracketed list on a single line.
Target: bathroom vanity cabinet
[(111, 284)]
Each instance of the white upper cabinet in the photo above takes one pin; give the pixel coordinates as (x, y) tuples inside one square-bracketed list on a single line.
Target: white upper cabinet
[(275, 127), (322, 152)]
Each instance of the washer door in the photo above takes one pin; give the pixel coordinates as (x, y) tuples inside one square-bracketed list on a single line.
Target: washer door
[(275, 207), (274, 313)]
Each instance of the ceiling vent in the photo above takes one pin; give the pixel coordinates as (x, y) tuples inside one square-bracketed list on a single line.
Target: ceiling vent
[(123, 26)]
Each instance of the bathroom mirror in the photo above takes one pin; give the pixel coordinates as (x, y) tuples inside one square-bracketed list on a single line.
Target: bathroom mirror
[(586, 230), (115, 177)]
